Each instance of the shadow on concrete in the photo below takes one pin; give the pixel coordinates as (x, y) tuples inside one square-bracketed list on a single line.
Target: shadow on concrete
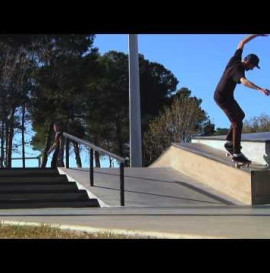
[(184, 184), (174, 197)]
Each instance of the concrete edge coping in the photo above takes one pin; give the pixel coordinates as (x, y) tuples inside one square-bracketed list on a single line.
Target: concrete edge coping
[(218, 159), (223, 139), (203, 154), (136, 234)]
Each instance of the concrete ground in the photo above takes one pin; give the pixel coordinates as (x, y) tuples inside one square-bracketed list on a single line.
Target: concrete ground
[(185, 222), (159, 203)]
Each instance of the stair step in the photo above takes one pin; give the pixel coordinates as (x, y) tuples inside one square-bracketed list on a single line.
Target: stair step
[(40, 188), (28, 172), (80, 195), (25, 204), (52, 179), (18, 183), (68, 187)]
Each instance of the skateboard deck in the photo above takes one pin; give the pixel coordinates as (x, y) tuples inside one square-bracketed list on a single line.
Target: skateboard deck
[(237, 164)]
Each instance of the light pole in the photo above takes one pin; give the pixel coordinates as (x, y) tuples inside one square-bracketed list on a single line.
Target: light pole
[(134, 104)]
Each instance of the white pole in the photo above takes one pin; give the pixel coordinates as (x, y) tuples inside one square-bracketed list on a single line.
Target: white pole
[(134, 104)]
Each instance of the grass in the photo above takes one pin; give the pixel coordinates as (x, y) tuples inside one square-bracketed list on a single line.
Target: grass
[(44, 231)]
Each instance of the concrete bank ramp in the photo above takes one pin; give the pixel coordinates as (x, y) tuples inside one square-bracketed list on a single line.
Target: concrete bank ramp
[(211, 167)]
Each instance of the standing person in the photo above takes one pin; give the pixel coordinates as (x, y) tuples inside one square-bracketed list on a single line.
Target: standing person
[(58, 145), (224, 96)]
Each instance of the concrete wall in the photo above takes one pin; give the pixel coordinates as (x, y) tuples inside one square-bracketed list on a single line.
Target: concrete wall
[(260, 187)]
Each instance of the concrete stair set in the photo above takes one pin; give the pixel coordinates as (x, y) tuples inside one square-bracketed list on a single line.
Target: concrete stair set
[(40, 188), (205, 160)]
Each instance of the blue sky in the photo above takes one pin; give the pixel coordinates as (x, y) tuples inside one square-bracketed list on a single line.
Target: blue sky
[(198, 61)]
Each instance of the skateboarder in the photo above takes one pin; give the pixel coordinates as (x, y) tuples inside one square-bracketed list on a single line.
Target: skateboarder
[(224, 96), (57, 160)]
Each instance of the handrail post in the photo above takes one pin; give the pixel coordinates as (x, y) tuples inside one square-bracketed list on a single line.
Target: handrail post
[(67, 153), (91, 169), (122, 185), (94, 148)]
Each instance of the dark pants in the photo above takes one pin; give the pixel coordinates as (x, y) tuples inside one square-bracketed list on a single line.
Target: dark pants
[(236, 115), (57, 159)]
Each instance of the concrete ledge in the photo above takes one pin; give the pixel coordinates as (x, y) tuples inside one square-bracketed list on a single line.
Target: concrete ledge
[(255, 146), (249, 187), (252, 137)]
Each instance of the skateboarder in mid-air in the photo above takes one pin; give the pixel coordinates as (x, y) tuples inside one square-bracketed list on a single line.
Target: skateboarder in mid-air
[(224, 96)]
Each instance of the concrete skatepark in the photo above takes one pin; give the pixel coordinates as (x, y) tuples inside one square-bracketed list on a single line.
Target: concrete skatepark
[(191, 191)]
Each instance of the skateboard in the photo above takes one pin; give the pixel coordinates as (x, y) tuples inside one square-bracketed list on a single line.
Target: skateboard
[(237, 164)]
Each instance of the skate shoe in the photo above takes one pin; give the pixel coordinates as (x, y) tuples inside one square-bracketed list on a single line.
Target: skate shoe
[(229, 148)]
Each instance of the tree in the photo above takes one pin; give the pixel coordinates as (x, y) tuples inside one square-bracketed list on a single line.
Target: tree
[(63, 78), (208, 128), (157, 86), (108, 112), (176, 123), (221, 131), (257, 124), (16, 67), (65, 62)]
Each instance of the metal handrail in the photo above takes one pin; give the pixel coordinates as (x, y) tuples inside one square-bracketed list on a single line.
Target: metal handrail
[(94, 147), (91, 168), (20, 158), (36, 157)]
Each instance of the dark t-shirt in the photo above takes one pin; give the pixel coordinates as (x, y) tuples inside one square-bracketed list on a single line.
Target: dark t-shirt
[(234, 71)]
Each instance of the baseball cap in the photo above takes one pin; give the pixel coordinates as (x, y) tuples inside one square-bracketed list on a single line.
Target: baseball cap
[(253, 59)]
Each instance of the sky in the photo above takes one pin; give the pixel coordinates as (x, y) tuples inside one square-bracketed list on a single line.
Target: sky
[(198, 61)]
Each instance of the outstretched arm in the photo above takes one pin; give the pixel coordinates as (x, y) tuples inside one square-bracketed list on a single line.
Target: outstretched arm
[(250, 84), (52, 147), (247, 39)]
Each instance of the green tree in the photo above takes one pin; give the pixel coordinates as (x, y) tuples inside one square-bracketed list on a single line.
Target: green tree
[(177, 123), (15, 69), (257, 124), (157, 86), (221, 131), (108, 112), (65, 62)]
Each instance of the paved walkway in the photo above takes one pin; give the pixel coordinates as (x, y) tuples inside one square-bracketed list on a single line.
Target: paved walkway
[(185, 222), (160, 203)]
